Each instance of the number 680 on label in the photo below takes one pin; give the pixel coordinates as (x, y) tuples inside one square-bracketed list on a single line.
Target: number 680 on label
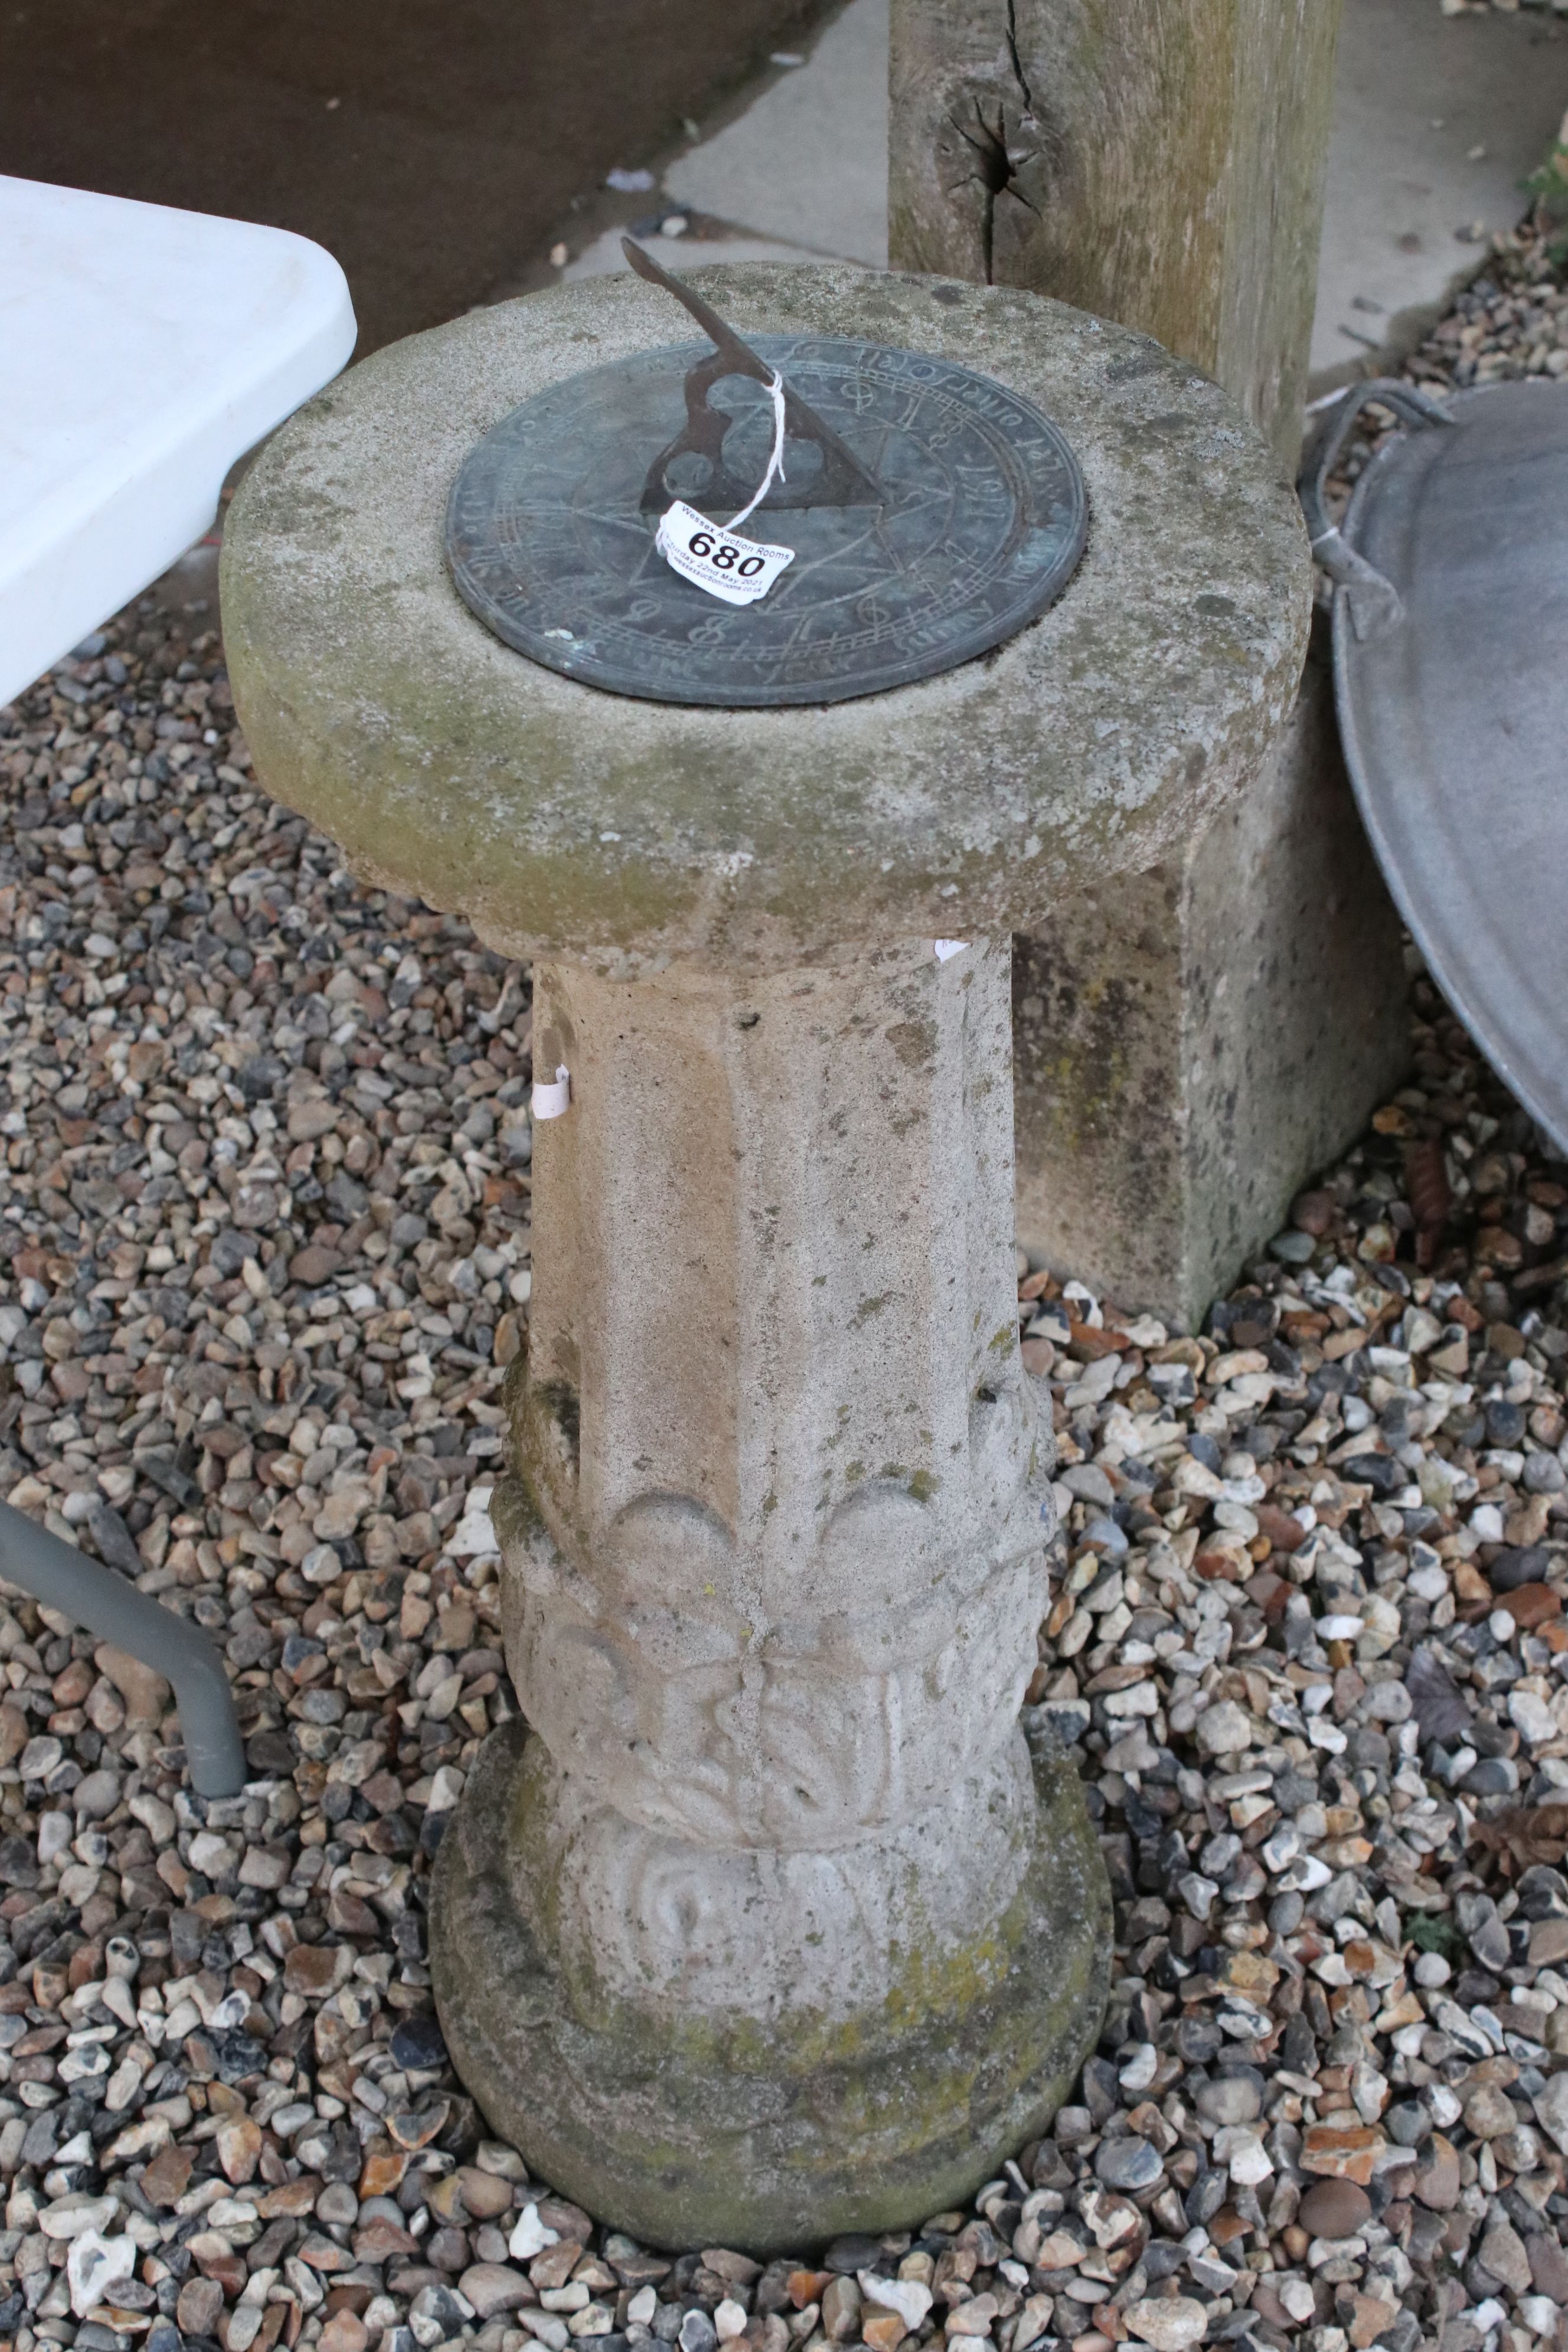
[(736, 570)]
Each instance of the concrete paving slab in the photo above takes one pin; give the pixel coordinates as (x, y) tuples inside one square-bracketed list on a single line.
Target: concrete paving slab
[(603, 256), (1436, 120), (808, 162), (1418, 94)]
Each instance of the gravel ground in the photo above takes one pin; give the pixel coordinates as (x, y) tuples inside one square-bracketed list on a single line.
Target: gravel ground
[(266, 1233)]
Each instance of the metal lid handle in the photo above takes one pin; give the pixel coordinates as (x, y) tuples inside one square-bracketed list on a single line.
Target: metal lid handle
[(1373, 601)]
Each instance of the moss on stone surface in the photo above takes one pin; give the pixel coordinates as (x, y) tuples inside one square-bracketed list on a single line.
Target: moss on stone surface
[(691, 2128)]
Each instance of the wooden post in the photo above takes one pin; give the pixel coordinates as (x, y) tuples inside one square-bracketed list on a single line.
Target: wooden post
[(1157, 161), (1190, 1049)]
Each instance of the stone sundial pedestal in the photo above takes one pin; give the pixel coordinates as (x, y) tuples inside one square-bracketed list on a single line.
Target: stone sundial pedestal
[(767, 1921)]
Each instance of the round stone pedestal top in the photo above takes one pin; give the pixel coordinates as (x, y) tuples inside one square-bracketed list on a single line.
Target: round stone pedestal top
[(568, 822)]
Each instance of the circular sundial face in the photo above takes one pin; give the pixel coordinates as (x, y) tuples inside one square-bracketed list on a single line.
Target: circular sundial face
[(970, 520)]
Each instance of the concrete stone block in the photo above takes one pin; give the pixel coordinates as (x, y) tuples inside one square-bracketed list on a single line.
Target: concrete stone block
[(1193, 1041)]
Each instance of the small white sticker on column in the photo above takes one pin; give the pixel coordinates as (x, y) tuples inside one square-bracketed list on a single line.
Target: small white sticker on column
[(550, 1100), (943, 948)]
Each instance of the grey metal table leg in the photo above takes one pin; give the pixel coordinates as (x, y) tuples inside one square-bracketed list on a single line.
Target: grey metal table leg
[(98, 1597)]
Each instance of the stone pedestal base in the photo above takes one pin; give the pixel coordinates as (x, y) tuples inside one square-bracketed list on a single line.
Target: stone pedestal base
[(918, 2003), (1191, 1043), (768, 1928), (765, 1931)]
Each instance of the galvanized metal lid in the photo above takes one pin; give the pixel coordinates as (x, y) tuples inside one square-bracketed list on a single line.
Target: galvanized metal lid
[(1453, 701)]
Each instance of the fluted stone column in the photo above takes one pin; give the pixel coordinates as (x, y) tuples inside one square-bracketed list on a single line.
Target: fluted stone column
[(766, 1921), (772, 1625)]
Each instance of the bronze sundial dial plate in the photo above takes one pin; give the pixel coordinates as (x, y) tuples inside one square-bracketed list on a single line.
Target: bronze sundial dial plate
[(934, 513)]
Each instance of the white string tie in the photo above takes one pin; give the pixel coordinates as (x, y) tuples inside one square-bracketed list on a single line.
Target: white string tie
[(775, 462)]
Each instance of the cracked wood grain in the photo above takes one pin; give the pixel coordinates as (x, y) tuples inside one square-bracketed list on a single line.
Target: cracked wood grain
[(1158, 161)]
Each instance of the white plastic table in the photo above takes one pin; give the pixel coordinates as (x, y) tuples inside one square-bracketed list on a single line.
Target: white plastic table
[(142, 352)]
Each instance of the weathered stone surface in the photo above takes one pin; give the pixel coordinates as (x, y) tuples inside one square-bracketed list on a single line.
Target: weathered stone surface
[(201, 2301), (1549, 2267), (774, 1666), (1552, 2109), (494, 2287), (853, 2120), (1341, 2151), (1501, 2251), (1334, 2209), (568, 821), (1549, 1943), (166, 2179), (1192, 1040), (769, 1926), (1436, 2177), (1168, 2324), (486, 2197), (143, 1689), (1230, 2099), (345, 2332), (316, 1970), (1488, 2111), (1224, 1728)]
